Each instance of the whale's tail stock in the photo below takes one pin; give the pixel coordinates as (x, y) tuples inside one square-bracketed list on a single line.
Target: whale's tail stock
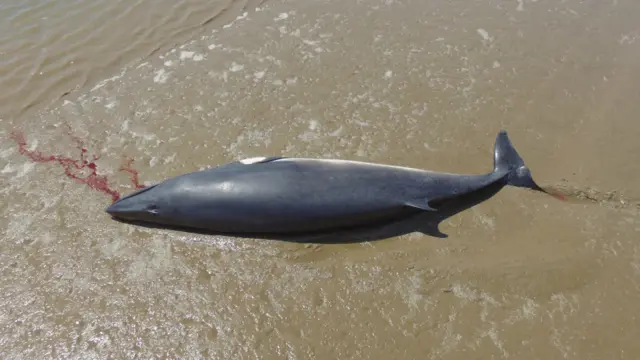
[(507, 160)]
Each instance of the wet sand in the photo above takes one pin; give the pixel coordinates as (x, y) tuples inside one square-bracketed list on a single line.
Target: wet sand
[(520, 276)]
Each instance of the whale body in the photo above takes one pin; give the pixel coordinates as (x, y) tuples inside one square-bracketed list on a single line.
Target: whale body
[(292, 195)]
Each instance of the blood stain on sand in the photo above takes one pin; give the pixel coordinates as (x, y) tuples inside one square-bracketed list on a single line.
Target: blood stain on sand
[(128, 168), (73, 167)]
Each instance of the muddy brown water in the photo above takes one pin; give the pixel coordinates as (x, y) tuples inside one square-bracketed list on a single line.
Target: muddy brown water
[(180, 86)]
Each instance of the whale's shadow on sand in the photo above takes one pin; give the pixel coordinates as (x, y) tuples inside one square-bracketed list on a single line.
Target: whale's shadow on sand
[(426, 222)]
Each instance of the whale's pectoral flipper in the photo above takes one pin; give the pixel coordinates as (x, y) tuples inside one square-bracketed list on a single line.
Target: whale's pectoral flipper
[(421, 204)]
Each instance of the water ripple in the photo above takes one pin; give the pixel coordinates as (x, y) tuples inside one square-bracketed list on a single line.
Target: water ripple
[(48, 48)]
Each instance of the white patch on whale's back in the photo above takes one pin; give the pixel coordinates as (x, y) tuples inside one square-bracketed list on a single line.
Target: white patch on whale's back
[(340, 162), (253, 160), (352, 162)]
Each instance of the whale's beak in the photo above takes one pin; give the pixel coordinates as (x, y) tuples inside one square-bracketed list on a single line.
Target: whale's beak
[(139, 205), (122, 209)]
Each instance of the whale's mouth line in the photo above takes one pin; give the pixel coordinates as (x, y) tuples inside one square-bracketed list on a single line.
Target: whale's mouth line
[(137, 192)]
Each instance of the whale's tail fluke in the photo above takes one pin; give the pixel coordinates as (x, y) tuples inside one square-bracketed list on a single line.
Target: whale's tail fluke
[(508, 161)]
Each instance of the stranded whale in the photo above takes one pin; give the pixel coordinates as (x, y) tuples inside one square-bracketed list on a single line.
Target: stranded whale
[(296, 195)]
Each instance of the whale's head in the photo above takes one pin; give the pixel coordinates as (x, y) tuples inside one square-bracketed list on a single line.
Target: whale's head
[(141, 205)]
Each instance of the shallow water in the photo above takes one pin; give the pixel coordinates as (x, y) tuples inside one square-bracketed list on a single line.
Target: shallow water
[(49, 48), (423, 84)]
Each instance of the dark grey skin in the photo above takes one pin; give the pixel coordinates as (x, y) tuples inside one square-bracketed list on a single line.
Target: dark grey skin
[(297, 195)]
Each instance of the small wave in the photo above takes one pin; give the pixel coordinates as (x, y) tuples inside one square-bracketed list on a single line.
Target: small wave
[(52, 47)]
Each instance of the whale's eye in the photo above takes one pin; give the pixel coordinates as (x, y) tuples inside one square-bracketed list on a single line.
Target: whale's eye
[(152, 209)]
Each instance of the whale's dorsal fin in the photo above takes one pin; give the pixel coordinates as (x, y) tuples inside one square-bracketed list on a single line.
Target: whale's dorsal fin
[(422, 204)]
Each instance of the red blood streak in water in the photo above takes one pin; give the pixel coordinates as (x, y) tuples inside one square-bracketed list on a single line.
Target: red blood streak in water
[(559, 197), (127, 167), (71, 166)]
